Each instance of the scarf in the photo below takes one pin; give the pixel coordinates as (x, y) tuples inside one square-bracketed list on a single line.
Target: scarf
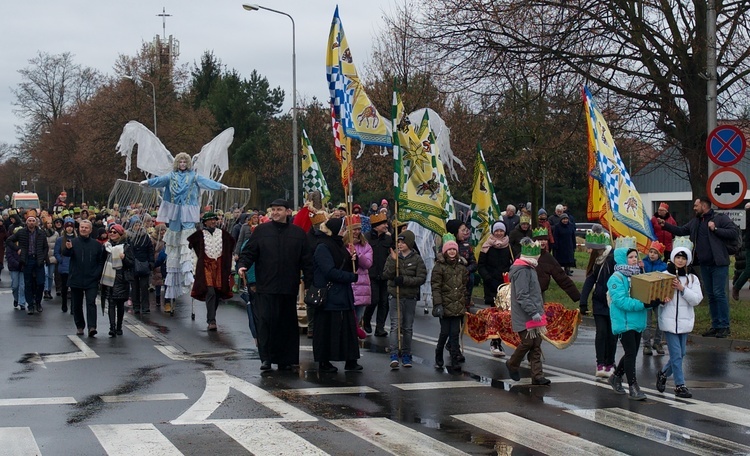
[(495, 242), (627, 270), (533, 262)]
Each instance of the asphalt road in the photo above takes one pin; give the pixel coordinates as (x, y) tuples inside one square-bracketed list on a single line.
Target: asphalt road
[(169, 387)]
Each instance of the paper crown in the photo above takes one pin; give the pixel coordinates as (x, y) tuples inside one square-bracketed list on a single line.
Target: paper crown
[(658, 246), (525, 218), (318, 217), (541, 233), (597, 238), (625, 242), (682, 241), (377, 219), (530, 248)]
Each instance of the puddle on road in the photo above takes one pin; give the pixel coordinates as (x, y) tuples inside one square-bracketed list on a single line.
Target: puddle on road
[(93, 404)]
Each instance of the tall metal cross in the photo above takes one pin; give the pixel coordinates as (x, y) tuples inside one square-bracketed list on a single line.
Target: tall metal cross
[(164, 17)]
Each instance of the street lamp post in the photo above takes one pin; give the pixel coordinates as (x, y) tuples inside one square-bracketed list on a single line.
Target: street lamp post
[(295, 164), (153, 96)]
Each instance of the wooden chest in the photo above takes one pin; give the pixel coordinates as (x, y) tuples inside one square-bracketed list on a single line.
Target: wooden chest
[(650, 286)]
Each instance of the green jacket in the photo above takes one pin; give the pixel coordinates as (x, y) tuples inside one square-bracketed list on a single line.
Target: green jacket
[(449, 286), (412, 268)]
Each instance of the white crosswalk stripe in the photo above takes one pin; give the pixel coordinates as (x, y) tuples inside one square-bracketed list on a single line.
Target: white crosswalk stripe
[(396, 438), (267, 437), (533, 435), (660, 431), (17, 440), (130, 439)]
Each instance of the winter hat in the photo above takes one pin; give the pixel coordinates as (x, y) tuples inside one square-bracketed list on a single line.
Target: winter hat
[(541, 212), (449, 242), (384, 202), (133, 220), (117, 227), (658, 246), (333, 226), (498, 226), (524, 219), (408, 238), (206, 217), (69, 222), (452, 226), (564, 216)]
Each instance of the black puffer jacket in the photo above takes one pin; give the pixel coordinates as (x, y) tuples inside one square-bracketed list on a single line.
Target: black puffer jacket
[(716, 239), (333, 265), (121, 288), (87, 259), (22, 240)]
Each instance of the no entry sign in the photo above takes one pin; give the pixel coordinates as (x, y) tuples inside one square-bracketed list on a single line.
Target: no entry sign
[(726, 187), (726, 145)]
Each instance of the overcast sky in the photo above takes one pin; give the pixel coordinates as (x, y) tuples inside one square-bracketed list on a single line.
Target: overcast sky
[(97, 31)]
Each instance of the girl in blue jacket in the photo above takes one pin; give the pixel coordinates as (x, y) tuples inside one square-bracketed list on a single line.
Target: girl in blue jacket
[(628, 319)]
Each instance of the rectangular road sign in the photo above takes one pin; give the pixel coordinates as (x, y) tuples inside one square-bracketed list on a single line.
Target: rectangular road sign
[(737, 216)]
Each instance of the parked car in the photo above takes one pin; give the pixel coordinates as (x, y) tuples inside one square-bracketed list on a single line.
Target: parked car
[(583, 227)]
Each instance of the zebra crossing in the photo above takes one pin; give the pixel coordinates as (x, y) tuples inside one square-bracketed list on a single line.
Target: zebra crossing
[(287, 430)]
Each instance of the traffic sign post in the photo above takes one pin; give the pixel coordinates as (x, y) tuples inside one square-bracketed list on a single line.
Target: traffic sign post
[(726, 187), (726, 145)]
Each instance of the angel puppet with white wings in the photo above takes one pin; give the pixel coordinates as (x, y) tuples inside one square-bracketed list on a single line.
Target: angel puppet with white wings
[(182, 179)]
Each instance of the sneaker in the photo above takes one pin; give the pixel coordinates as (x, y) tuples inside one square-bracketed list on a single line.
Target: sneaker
[(394, 361), (710, 333), (661, 382), (647, 350), (723, 333), (22, 307), (497, 350), (659, 348), (39, 308), (541, 381), (426, 311), (682, 391), (31, 310), (616, 382), (367, 326), (600, 371), (47, 295), (609, 370), (406, 361), (15, 303)]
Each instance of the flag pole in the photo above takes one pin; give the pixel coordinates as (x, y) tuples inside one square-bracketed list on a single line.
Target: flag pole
[(398, 289)]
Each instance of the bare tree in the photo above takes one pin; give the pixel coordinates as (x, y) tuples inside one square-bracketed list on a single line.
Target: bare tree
[(646, 58), (52, 86)]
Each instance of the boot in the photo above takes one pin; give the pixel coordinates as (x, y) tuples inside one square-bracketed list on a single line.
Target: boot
[(616, 382), (735, 293), (635, 393), (455, 363), (112, 332), (439, 359)]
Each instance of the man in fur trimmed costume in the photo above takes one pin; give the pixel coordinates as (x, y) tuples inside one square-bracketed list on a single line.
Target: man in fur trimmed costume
[(213, 246), (180, 208)]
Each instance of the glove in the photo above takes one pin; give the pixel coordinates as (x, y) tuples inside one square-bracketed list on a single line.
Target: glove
[(537, 317), (224, 188), (653, 304), (399, 281), (143, 183)]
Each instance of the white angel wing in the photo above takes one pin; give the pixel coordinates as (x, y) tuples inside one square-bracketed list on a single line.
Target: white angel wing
[(153, 158), (213, 159), (442, 139)]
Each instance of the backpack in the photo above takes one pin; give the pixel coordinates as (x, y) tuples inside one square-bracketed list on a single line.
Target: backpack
[(734, 245), (600, 287)]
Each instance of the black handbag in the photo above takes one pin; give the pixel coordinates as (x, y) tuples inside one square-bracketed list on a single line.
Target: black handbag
[(141, 268), (316, 297)]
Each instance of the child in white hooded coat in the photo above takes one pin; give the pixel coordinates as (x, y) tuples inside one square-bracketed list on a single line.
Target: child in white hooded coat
[(677, 317)]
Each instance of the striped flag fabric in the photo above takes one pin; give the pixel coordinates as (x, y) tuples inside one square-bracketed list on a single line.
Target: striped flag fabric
[(312, 175), (484, 207)]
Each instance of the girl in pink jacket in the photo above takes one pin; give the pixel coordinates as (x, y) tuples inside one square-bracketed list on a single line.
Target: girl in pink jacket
[(356, 243)]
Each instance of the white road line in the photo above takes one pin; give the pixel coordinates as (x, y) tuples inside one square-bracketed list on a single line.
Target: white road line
[(37, 401), (305, 348), (130, 439), (85, 353), (396, 438), (333, 390), (439, 385), (18, 440), (264, 437), (144, 397), (172, 353), (139, 330), (725, 412), (534, 435), (218, 384), (6, 291), (659, 431)]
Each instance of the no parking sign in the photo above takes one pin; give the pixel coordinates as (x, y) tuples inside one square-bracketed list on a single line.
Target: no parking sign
[(726, 145)]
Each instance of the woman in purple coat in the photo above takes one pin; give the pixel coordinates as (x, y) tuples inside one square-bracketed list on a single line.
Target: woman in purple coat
[(359, 245)]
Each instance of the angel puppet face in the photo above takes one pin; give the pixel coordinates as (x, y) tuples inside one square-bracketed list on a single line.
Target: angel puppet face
[(182, 161)]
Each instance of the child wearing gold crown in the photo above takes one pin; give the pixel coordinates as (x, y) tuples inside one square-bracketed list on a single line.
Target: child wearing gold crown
[(677, 316), (527, 313), (652, 335), (449, 296)]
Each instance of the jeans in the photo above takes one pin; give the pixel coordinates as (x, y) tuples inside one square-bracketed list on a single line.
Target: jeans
[(676, 345), (18, 286), (715, 279), (34, 276), (50, 278), (408, 307), (77, 302), (652, 328)]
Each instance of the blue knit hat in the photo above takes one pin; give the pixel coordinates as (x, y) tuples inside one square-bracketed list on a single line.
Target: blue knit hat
[(69, 221)]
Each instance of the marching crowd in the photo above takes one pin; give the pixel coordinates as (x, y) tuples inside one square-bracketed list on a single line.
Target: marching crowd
[(352, 267)]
